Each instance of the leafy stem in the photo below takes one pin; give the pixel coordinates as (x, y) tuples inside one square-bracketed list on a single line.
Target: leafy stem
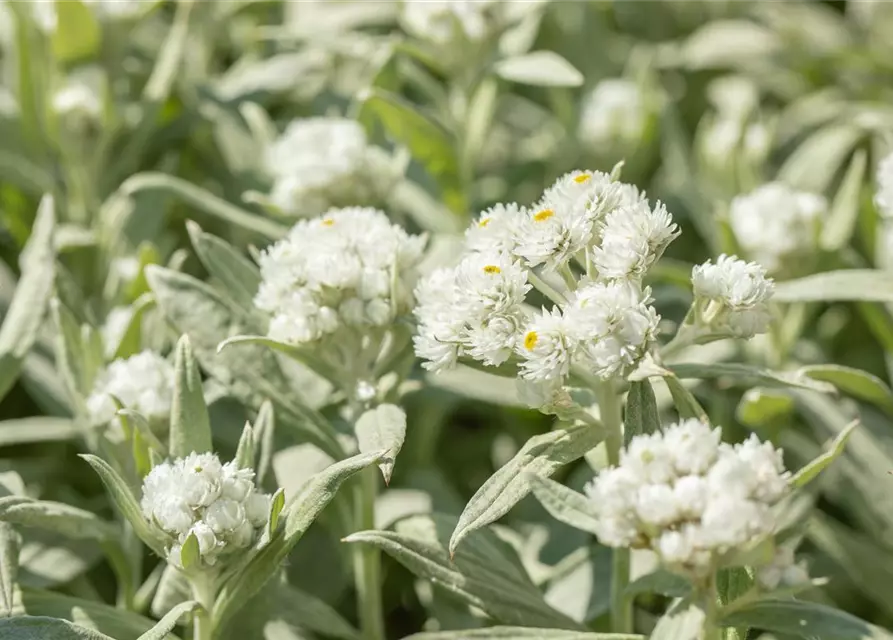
[(367, 560)]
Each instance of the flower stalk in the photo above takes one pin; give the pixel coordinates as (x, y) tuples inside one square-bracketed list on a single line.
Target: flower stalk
[(367, 560)]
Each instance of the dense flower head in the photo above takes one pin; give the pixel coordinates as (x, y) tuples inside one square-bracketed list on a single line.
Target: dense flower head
[(614, 112), (884, 196), (633, 238), (784, 570), (688, 496), (474, 309), (198, 495), (143, 382), (731, 297), (441, 20), (323, 162), (775, 224), (494, 229), (349, 269)]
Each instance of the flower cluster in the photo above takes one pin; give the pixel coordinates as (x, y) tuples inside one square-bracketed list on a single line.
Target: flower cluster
[(593, 234), (775, 225), (347, 270), (319, 163), (615, 112), (784, 570), (440, 21), (143, 382), (689, 497), (731, 297), (197, 495)]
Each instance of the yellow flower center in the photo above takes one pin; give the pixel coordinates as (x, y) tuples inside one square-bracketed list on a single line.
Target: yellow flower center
[(328, 222), (492, 268), (530, 340), (545, 214), (483, 223), (197, 469), (583, 177)]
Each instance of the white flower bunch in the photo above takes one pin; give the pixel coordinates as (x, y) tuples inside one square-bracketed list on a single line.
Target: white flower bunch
[(689, 497), (349, 271), (884, 196), (731, 297), (439, 21), (600, 236), (318, 163), (217, 503), (775, 224), (784, 570), (143, 382), (615, 112)]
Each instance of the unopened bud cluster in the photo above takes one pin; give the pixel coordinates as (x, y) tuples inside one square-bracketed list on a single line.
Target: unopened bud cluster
[(217, 503), (688, 497), (731, 298), (318, 163), (143, 382)]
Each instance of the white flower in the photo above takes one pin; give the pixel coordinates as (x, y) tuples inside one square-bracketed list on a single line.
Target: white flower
[(197, 495), (783, 570), (441, 20), (474, 309), (143, 382), (494, 230), (731, 297), (614, 112), (614, 325), (775, 224), (346, 270), (633, 238), (687, 496), (318, 163), (546, 347), (80, 97), (884, 196), (117, 9)]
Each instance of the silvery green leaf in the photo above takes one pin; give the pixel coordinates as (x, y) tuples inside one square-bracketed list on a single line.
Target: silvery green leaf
[(723, 43), (748, 374), (539, 68), (479, 384), (131, 340), (814, 468), (661, 581), (189, 552), (190, 424), (682, 621), (802, 619), (855, 382), (264, 428), (300, 354), (164, 626), (430, 143), (112, 621), (814, 163), (173, 588), (70, 350), (760, 407), (41, 628), (511, 633), (541, 455), (841, 223), (641, 411), (37, 429), (127, 504), (277, 503), (56, 516), (203, 200), (32, 294), (252, 374), (382, 429), (577, 586), (245, 451), (684, 400), (850, 284), (238, 275), (304, 610), (10, 594), (482, 573), (731, 584), (564, 504), (300, 512)]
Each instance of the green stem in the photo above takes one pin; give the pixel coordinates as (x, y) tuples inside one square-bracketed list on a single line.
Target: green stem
[(710, 605), (367, 560), (204, 592), (612, 421)]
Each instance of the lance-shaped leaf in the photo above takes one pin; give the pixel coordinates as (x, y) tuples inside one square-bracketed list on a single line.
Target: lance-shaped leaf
[(641, 410), (238, 275), (513, 633), (32, 295), (126, 503), (161, 630), (854, 382), (10, 595), (539, 68), (682, 621), (482, 573), (37, 429), (40, 628), (750, 375), (866, 285), (802, 619), (564, 504), (838, 228), (382, 429), (56, 516), (299, 514), (808, 473), (245, 451), (661, 581), (541, 455), (264, 428), (304, 610), (190, 424)]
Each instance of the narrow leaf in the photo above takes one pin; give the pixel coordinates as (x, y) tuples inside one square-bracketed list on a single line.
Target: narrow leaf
[(264, 428), (190, 424), (857, 383), (277, 503), (661, 581), (802, 619), (511, 633), (838, 228), (382, 429), (306, 611), (539, 68), (641, 411), (245, 452), (37, 429), (564, 504), (40, 628), (750, 375), (189, 552), (682, 621), (867, 285), (238, 275), (161, 630), (686, 404), (808, 473), (56, 516), (541, 455), (10, 595)]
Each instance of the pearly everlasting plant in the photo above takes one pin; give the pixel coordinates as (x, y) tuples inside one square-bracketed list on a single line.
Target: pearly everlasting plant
[(441, 21), (614, 115), (143, 382)]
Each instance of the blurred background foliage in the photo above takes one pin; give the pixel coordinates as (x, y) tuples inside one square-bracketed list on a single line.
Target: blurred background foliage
[(137, 120)]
